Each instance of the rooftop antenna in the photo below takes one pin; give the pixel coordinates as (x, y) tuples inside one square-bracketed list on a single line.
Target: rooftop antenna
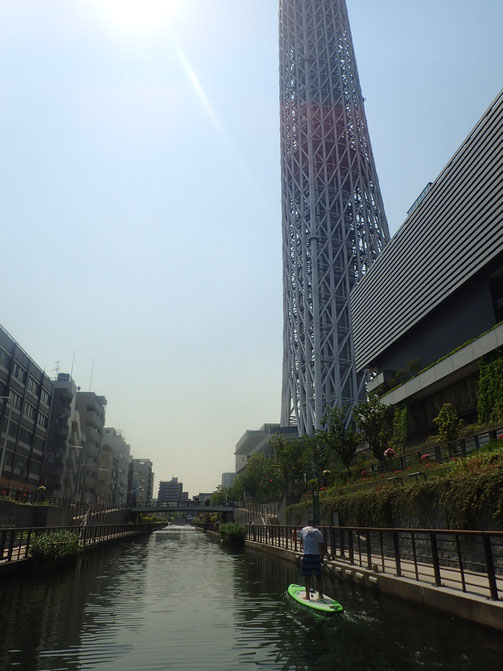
[(73, 361), (91, 378), (56, 369)]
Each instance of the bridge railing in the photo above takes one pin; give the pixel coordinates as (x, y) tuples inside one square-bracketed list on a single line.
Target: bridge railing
[(470, 561)]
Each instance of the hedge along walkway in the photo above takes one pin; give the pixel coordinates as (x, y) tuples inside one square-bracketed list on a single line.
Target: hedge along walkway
[(469, 496), (15, 542)]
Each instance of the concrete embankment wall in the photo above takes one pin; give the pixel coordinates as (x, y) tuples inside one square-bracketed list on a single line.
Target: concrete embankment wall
[(473, 608), (14, 515)]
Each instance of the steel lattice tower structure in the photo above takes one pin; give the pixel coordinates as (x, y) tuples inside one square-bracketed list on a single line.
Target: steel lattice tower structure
[(334, 224)]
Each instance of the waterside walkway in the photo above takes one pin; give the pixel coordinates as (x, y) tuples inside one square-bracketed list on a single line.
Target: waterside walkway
[(459, 572), (15, 542)]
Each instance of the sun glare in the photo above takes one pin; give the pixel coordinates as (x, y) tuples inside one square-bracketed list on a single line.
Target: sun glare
[(138, 16)]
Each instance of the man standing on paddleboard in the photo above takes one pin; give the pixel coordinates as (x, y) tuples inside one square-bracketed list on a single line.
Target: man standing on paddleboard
[(313, 546)]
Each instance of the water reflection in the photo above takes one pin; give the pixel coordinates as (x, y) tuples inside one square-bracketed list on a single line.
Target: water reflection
[(177, 601), (375, 632)]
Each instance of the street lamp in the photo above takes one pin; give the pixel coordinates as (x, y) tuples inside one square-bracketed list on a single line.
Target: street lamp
[(4, 445)]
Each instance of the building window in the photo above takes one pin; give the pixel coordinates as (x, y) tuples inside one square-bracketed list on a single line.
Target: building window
[(19, 373), (33, 386), (15, 401), (35, 467), (4, 359), (24, 436), (45, 397), (42, 420), (29, 410), (38, 443)]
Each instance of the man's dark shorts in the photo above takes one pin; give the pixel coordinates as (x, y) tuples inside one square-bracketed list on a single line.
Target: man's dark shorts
[(311, 565)]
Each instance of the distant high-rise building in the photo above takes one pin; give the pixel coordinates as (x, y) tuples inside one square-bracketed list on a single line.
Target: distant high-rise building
[(228, 479), (115, 457), (64, 441), (141, 482), (91, 409), (170, 491), (334, 224)]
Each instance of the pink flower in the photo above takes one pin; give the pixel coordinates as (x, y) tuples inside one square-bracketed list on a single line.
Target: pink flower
[(425, 457)]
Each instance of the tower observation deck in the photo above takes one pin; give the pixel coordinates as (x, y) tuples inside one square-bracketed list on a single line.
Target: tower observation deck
[(334, 224)]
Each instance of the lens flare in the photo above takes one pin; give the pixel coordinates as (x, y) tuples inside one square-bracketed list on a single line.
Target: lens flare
[(138, 16)]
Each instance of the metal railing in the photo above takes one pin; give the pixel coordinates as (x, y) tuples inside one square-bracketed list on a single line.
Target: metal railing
[(469, 561), (436, 453), (15, 543), (33, 496)]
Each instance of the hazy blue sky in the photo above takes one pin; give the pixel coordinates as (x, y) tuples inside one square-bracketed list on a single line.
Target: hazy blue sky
[(140, 195)]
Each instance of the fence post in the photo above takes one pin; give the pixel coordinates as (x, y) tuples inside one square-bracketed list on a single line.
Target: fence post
[(369, 552), (350, 546), (460, 561), (488, 553), (396, 550), (462, 445), (434, 557), (332, 542), (10, 549)]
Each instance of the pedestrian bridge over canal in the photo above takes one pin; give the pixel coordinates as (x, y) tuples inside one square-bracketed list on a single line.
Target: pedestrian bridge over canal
[(192, 508)]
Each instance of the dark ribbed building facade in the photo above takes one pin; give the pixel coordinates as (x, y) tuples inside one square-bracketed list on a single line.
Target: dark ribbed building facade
[(24, 416), (435, 295)]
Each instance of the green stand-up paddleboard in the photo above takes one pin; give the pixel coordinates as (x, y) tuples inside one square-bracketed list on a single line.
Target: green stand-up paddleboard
[(327, 605)]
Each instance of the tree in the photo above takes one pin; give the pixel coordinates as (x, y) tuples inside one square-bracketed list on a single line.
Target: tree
[(288, 457), (220, 496), (261, 479), (339, 439), (448, 423), (400, 427), (373, 418)]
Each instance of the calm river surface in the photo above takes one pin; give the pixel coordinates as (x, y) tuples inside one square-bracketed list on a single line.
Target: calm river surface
[(175, 600)]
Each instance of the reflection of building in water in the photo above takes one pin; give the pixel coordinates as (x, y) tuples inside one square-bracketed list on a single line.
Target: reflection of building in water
[(40, 619)]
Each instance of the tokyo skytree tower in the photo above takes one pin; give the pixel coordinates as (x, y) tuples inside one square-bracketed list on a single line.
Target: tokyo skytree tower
[(334, 224)]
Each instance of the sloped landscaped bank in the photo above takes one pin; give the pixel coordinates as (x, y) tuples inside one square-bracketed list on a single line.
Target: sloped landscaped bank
[(469, 495)]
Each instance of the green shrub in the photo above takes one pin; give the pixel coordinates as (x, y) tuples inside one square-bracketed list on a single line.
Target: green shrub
[(231, 532), (462, 493), (55, 545)]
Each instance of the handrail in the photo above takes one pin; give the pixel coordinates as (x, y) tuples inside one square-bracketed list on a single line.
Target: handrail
[(437, 453), (467, 560), (15, 542)]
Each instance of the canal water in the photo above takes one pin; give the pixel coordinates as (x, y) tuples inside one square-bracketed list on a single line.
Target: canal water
[(175, 600)]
